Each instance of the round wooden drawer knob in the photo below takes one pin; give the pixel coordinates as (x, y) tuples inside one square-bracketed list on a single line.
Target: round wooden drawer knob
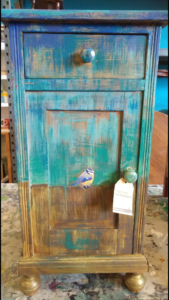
[(87, 55), (130, 175)]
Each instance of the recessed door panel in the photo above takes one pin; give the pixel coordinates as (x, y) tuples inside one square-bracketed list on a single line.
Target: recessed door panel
[(78, 140)]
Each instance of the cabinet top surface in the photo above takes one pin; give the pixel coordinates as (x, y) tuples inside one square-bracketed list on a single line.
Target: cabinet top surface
[(111, 16)]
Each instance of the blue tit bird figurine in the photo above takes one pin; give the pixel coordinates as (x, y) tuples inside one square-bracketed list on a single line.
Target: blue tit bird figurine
[(85, 179)]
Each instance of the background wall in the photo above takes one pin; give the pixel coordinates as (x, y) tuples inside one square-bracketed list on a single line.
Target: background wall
[(111, 4), (161, 96)]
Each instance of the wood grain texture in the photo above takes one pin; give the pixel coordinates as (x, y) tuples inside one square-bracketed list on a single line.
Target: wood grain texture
[(84, 84), (159, 149), (38, 133), (165, 188), (95, 264), (85, 28), (17, 84), (58, 56), (81, 140), (146, 137), (62, 170), (36, 161), (20, 136), (24, 210), (83, 242), (40, 220), (82, 209), (131, 130), (130, 149), (143, 17)]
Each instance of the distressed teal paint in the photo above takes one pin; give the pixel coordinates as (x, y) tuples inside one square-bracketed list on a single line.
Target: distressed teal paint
[(28, 206), (159, 17), (131, 130), (34, 156), (58, 56), (84, 84), (92, 144), (17, 84), (43, 157), (49, 158), (130, 176), (86, 28), (92, 244)]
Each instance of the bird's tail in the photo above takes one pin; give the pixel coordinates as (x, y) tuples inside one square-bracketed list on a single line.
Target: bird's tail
[(73, 184)]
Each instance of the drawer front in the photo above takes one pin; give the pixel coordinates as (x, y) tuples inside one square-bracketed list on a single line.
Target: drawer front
[(49, 55), (68, 132)]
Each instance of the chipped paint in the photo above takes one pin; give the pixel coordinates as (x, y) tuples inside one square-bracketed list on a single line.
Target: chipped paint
[(144, 17), (71, 286), (44, 56)]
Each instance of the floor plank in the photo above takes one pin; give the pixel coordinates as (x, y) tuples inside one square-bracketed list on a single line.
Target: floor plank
[(159, 149)]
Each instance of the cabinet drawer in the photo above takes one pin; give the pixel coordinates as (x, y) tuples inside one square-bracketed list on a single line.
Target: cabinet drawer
[(48, 55)]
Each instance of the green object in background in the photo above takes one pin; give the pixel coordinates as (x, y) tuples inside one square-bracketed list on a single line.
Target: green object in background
[(164, 204)]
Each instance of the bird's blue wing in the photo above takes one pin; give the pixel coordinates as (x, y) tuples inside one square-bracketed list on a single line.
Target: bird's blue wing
[(81, 179)]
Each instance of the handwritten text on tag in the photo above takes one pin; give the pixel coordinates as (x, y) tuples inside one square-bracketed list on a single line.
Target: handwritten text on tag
[(123, 197)]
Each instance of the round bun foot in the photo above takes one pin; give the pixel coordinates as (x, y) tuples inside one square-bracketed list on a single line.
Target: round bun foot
[(30, 284), (134, 282)]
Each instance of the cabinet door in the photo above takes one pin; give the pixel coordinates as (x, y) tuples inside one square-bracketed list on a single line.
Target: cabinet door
[(68, 132)]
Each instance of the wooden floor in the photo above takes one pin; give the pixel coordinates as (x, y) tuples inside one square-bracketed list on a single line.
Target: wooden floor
[(159, 149)]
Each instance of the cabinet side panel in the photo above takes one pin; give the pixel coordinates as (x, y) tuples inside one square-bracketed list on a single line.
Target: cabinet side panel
[(146, 136), (18, 89), (16, 52)]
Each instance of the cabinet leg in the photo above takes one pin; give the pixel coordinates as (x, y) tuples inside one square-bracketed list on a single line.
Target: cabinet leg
[(134, 282), (30, 284)]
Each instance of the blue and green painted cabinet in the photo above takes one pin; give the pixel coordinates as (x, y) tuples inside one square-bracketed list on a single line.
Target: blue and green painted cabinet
[(71, 114)]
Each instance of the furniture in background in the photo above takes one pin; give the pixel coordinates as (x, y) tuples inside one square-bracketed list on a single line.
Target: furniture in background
[(47, 4), (165, 190), (162, 73), (6, 133), (84, 98), (159, 148)]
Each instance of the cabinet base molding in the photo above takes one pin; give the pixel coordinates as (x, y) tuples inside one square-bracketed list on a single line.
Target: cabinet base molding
[(134, 282), (94, 264), (29, 284)]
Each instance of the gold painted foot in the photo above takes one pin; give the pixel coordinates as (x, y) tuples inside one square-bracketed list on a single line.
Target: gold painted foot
[(30, 284), (134, 282)]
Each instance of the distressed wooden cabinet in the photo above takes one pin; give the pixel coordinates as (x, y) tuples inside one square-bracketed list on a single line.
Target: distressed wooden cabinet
[(76, 109)]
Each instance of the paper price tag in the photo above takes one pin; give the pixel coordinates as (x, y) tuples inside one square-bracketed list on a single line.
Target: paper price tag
[(123, 198)]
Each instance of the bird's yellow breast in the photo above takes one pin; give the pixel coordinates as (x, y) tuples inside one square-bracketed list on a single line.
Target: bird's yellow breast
[(89, 182)]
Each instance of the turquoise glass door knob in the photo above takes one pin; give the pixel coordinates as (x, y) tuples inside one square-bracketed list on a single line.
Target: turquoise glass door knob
[(130, 175), (87, 55)]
